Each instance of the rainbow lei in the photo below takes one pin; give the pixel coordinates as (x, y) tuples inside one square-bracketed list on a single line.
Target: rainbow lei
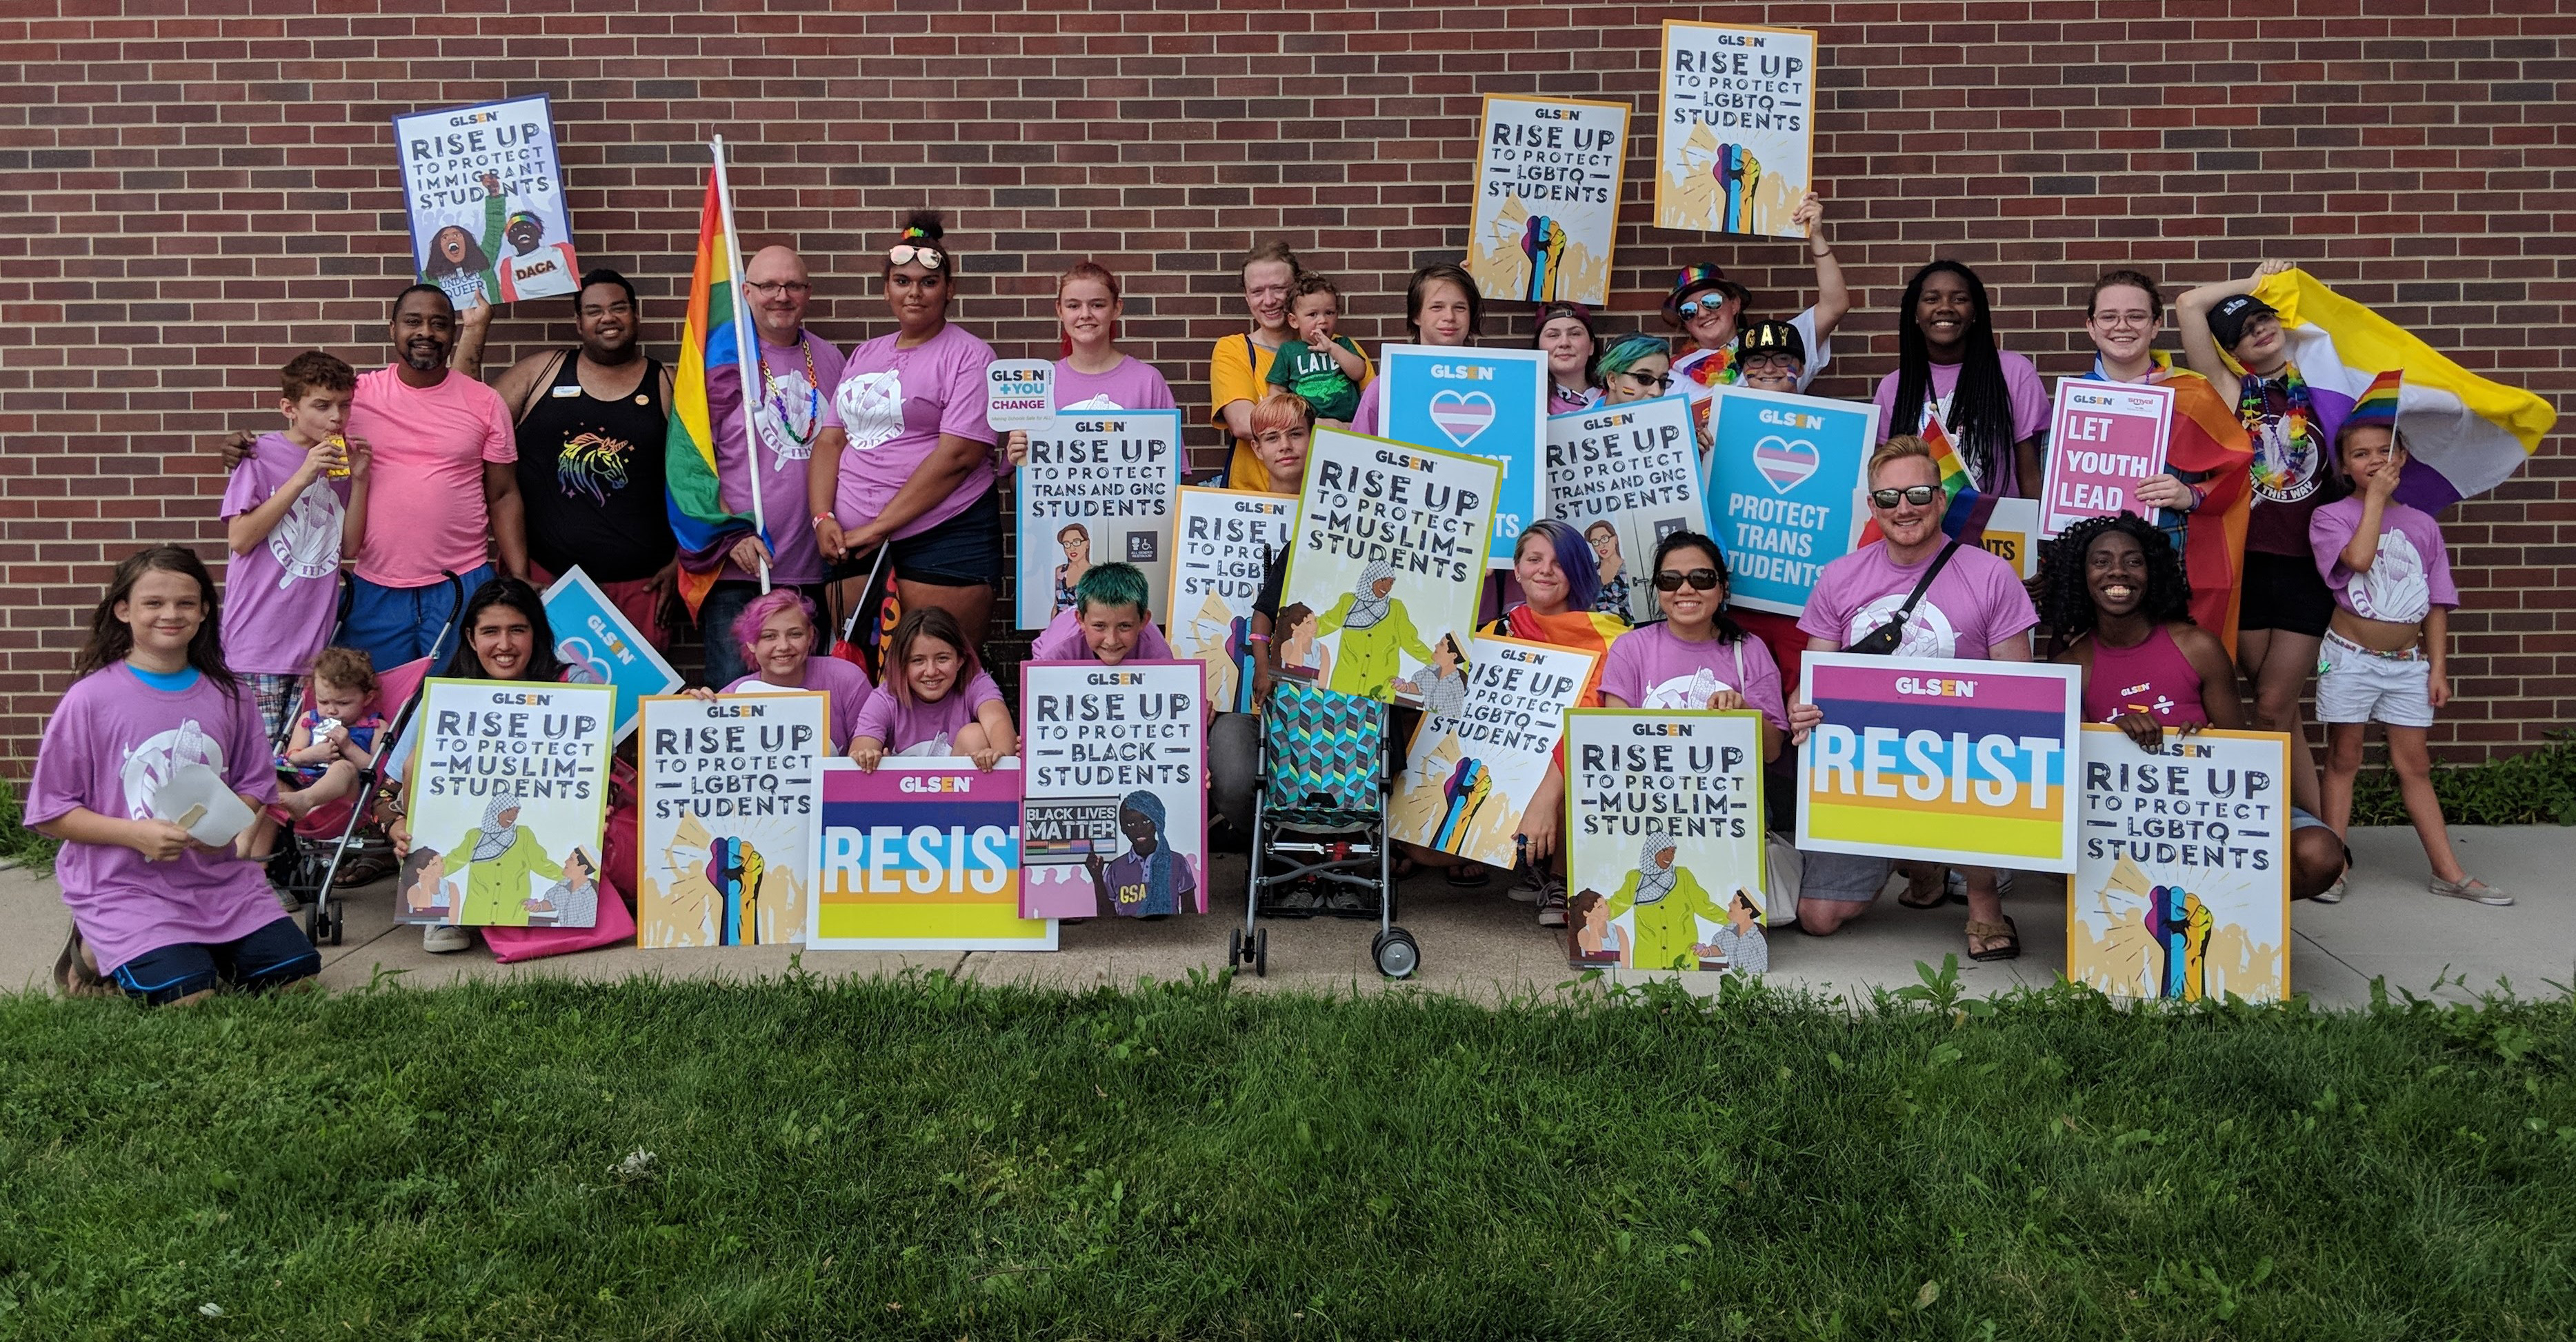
[(2294, 389)]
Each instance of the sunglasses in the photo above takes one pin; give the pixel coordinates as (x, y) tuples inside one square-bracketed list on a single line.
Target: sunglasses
[(904, 253), (1696, 306), (1704, 579), (1658, 381), (1918, 495)]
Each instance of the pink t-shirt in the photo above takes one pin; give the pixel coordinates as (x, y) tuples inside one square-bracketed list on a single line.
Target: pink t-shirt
[(1364, 419), (1652, 667), (894, 404), (425, 509), (2410, 575), (845, 681), (921, 728), (1062, 641), (787, 418), (108, 747), (1133, 385), (281, 598), (1976, 603), (2021, 387)]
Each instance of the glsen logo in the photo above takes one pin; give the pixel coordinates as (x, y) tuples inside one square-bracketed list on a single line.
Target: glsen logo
[(1791, 419), (530, 697), (1661, 729), (1403, 462), (737, 710), (934, 783), (1936, 688), (1463, 372), (1100, 426), (1115, 678)]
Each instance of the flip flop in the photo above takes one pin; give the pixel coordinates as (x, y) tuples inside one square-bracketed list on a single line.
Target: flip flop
[(1922, 880), (2010, 950)]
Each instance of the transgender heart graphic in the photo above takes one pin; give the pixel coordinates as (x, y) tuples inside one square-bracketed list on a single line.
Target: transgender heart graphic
[(1463, 415), (1785, 464)]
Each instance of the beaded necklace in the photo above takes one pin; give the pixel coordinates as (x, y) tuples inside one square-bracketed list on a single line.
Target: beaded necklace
[(778, 408), (2294, 390)]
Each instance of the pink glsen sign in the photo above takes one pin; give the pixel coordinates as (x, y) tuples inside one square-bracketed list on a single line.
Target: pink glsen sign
[(2104, 437)]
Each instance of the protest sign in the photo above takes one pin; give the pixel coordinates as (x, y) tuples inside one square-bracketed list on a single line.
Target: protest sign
[(921, 855), (599, 647), (1784, 480), (2103, 438), (1738, 130), (1927, 758), (509, 791), (1663, 840), (1547, 198), (1114, 796), (1626, 476), (2012, 535), (1221, 547), (728, 822), (1478, 758), (1389, 555), (1019, 395), (2182, 887), (485, 192), (1097, 489), (1492, 402)]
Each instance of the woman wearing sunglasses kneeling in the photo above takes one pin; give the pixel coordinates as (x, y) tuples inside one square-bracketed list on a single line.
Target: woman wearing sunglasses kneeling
[(1888, 597)]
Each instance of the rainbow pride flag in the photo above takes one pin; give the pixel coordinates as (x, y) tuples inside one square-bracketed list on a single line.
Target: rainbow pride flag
[(1954, 476), (706, 528)]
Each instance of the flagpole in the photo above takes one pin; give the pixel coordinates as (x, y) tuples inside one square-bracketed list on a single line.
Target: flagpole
[(743, 350)]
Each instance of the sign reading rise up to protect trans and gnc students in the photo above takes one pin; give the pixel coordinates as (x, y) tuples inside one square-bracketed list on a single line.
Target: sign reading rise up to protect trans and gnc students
[(1738, 129), (1547, 198), (1097, 489), (1491, 402), (921, 855), (2182, 890), (1627, 476), (1784, 481), (2104, 437), (1939, 759)]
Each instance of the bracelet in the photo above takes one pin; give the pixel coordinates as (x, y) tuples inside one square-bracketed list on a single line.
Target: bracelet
[(1819, 256), (1259, 638), (819, 519), (2199, 496)]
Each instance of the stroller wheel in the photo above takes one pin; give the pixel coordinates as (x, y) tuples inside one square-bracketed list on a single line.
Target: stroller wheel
[(1260, 956), (1234, 951), (1395, 953), (335, 924)]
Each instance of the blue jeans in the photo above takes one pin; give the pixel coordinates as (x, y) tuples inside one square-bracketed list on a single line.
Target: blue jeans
[(725, 603), (394, 625)]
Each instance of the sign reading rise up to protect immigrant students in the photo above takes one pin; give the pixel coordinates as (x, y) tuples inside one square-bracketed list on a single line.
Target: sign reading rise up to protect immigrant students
[(1484, 747), (1627, 476), (599, 646), (1221, 547), (1547, 198), (509, 790), (2103, 438), (1784, 482), (1019, 395), (1492, 402), (1390, 552), (2182, 889), (1664, 840), (1738, 128), (921, 855), (485, 192), (1937, 759), (727, 824), (1097, 489), (1115, 790)]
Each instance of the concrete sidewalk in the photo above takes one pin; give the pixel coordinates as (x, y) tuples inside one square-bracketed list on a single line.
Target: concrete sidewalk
[(1482, 945)]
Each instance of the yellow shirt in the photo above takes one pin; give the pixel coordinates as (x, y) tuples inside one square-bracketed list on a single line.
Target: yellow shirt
[(1239, 370)]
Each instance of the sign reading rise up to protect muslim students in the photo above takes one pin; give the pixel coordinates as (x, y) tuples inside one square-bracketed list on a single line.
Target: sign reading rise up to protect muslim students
[(509, 792), (729, 816), (1737, 131), (1115, 790), (1221, 548), (1627, 476), (1664, 840), (1097, 489), (1547, 198), (2182, 886), (484, 189)]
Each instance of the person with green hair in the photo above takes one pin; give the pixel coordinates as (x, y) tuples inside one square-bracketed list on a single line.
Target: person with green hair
[(1110, 620), (1374, 626), (499, 856), (1669, 902)]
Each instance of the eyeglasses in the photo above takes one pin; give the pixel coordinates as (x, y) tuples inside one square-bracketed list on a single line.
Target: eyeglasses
[(1918, 495), (2117, 319), (905, 253), (1658, 381), (791, 288), (1702, 579)]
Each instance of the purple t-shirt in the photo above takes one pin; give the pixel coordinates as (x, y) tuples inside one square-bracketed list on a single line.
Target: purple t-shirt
[(894, 404), (1062, 641), (1652, 667), (1133, 385), (281, 598), (2410, 576), (918, 728), (1976, 603), (844, 681), (787, 418), (2021, 386), (1364, 419), (110, 744)]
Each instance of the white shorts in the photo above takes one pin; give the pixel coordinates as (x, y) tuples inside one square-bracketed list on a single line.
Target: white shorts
[(2356, 685)]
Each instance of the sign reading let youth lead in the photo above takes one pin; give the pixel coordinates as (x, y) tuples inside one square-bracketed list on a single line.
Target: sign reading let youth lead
[(2182, 891), (485, 194), (1390, 553), (2104, 437), (1116, 789), (1783, 482), (1738, 129), (1627, 476), (1097, 489), (1492, 402), (1547, 198)]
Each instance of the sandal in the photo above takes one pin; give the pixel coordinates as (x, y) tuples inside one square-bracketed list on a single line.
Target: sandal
[(1468, 876), (1926, 888), (72, 975), (1983, 931)]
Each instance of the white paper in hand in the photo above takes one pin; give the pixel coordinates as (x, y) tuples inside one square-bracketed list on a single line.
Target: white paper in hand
[(1019, 395), (196, 798)]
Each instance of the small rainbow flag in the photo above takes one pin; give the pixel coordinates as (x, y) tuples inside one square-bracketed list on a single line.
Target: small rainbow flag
[(1954, 476), (705, 527)]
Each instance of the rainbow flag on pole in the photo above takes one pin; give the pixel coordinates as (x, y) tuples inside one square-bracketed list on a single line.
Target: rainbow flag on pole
[(706, 528), (1954, 476)]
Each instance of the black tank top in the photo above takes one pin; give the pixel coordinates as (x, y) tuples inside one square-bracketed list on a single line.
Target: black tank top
[(591, 473)]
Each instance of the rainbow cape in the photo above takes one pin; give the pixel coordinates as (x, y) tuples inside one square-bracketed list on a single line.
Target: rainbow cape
[(2208, 439), (2464, 434), (695, 501)]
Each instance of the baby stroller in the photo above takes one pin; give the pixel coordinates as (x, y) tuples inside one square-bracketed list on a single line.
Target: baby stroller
[(1319, 843)]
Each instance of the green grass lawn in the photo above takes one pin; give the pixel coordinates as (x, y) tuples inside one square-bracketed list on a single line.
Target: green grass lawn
[(925, 1158)]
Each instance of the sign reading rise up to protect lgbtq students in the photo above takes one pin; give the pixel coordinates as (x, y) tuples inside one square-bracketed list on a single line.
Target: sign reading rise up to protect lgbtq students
[(1097, 489), (1932, 758), (1784, 489), (1738, 128), (1221, 548), (2182, 889), (484, 188), (1663, 838), (1491, 402), (2104, 437), (1480, 753), (1115, 795), (921, 855), (727, 824), (1547, 198)]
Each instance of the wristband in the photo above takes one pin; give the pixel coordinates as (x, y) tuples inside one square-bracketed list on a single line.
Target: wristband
[(819, 519), (2199, 496)]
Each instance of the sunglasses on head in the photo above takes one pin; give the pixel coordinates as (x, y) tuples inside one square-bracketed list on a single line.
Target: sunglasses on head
[(1918, 495), (904, 253), (1704, 579)]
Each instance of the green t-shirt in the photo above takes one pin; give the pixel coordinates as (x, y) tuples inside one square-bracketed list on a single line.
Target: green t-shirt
[(1313, 374)]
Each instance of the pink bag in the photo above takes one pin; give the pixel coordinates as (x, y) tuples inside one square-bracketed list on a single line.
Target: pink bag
[(616, 922)]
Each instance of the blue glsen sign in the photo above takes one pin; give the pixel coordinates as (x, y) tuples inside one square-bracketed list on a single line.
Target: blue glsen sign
[(1784, 482), (600, 648), (1491, 402)]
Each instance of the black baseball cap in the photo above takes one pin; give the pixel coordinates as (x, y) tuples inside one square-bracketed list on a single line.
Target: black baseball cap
[(2227, 321), (1771, 338)]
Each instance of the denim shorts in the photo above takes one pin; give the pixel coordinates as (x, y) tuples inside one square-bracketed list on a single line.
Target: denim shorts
[(276, 954), (964, 551)]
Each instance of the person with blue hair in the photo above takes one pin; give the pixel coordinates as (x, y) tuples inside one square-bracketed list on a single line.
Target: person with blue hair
[(1149, 880)]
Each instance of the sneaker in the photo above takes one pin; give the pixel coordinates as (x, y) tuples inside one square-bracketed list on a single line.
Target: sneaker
[(2332, 894), (2471, 889), (1551, 903), (1530, 889), (286, 899), (441, 939)]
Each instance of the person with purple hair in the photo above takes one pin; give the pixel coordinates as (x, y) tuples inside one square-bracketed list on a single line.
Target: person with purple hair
[(776, 633)]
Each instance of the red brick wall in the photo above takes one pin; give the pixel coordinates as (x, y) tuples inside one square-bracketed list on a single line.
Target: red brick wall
[(189, 200)]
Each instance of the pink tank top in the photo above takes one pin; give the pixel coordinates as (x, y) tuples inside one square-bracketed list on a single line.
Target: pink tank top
[(2153, 676)]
